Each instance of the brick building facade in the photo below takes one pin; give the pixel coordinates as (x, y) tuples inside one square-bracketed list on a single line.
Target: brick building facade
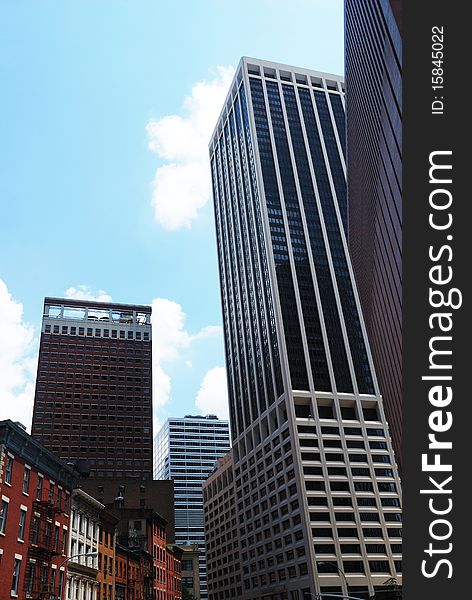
[(173, 572), (93, 398), (157, 495), (107, 555), (35, 495), (142, 532)]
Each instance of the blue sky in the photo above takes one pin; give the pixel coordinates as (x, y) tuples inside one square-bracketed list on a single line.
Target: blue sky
[(104, 112)]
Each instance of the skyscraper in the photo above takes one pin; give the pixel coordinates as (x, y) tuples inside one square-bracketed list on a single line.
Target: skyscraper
[(93, 389), (374, 169), (317, 489), (186, 450)]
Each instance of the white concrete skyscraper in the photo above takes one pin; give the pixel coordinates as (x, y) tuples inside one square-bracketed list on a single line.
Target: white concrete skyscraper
[(186, 450), (317, 488)]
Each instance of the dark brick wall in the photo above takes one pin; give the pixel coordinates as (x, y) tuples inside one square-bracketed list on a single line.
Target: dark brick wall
[(374, 174)]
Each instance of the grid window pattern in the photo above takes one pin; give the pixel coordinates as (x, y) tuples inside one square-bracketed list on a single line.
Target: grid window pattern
[(186, 450), (221, 533), (93, 394), (374, 165), (314, 472)]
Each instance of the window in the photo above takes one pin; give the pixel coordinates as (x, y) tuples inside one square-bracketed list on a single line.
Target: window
[(39, 488), (370, 414), (375, 548), (379, 566), (16, 577), (31, 574), (348, 413), (64, 542), (325, 412), (8, 469), (3, 515), (61, 585), (21, 527), (353, 566), (34, 530), (53, 580), (56, 538), (26, 480)]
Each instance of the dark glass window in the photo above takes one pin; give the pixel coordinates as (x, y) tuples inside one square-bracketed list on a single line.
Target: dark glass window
[(298, 372), (338, 255)]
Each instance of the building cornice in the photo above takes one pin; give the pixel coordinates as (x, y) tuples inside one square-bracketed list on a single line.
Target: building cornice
[(35, 454)]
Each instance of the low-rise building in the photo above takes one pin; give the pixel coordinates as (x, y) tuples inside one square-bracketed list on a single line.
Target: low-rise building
[(157, 495), (143, 532), (134, 574), (35, 501), (174, 572), (190, 570), (107, 555), (82, 573)]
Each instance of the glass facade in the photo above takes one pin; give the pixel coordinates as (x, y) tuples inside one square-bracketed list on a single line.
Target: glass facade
[(186, 451), (300, 137), (313, 461)]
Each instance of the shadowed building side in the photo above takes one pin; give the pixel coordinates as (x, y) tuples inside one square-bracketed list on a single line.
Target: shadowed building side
[(374, 175)]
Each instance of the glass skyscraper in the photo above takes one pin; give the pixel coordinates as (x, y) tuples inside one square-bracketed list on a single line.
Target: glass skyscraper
[(186, 450), (317, 488)]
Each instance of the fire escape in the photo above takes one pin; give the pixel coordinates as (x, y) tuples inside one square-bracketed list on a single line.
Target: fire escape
[(142, 587), (43, 547)]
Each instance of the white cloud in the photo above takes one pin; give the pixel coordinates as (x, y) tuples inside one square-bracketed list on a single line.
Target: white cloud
[(85, 292), (161, 384), (17, 360), (212, 397), (182, 185), (170, 340)]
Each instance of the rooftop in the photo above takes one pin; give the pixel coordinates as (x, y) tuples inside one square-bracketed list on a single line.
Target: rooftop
[(274, 71), (49, 301)]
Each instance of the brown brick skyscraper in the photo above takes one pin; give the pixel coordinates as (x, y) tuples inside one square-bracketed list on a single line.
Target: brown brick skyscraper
[(93, 397), (374, 179)]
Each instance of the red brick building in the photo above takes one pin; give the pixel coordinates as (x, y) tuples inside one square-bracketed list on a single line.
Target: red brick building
[(174, 572), (107, 556), (142, 533), (93, 389), (133, 574), (35, 492)]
